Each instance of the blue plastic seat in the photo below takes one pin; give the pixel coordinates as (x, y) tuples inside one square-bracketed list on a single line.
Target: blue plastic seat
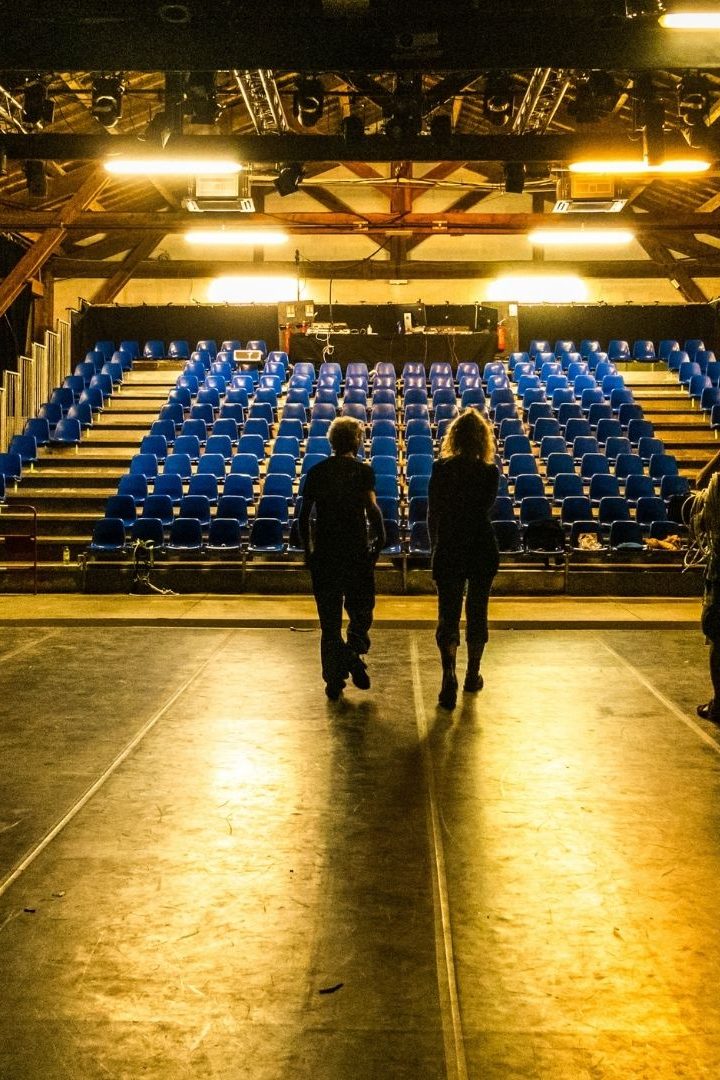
[(179, 349), (251, 444), (627, 465), (211, 464), (502, 509), (123, 358), (386, 485), (241, 485), (220, 446), (534, 508), (692, 345), (575, 508), (592, 464), (178, 464), (584, 444), (387, 465), (569, 410), (155, 444), (673, 484), (566, 485), (613, 508), (666, 347), (282, 463), (417, 509), (159, 506), (551, 444), (196, 506), (662, 465), (25, 446), (180, 395), (643, 350), (638, 486), (629, 410), (279, 484), (225, 534), (419, 539), (233, 506), (418, 485), (149, 530), (598, 412), (131, 347), (418, 465), (386, 445), (521, 463), (559, 462), (625, 534), (102, 382), (108, 535), (584, 528), (608, 428), (145, 464), (414, 444), (603, 485), (527, 485), (39, 429), (64, 397), (618, 349), (173, 411), (154, 350), (266, 536), (114, 370), (649, 446), (169, 484), (188, 444), (123, 507), (508, 535), (52, 412), (134, 484), (186, 533), (245, 462)]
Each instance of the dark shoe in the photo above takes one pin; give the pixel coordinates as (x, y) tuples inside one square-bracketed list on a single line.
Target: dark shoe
[(473, 683), (334, 689), (708, 712), (447, 697), (358, 672)]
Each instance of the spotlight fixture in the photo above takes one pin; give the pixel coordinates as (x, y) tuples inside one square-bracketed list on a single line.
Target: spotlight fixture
[(352, 128), (441, 128), (403, 113), (308, 102), (514, 177), (498, 99), (288, 178), (38, 110), (201, 103), (106, 101), (693, 99), (36, 178)]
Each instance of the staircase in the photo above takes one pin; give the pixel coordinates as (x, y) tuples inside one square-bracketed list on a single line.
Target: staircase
[(70, 486), (677, 420)]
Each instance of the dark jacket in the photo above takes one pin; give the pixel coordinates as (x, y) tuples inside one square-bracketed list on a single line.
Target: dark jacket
[(460, 497)]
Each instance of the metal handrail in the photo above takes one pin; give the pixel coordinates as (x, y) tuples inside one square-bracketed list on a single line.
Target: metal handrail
[(22, 392)]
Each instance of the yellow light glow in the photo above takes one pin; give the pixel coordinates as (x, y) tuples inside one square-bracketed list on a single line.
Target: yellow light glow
[(581, 237), (162, 165), (538, 288), (252, 290), (237, 237), (635, 166), (690, 20)]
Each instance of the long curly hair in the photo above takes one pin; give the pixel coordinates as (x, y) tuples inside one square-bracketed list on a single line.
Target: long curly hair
[(469, 435), (702, 515)]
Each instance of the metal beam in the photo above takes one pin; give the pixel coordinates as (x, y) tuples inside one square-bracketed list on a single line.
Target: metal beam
[(450, 221), (294, 37), (291, 147), (380, 270)]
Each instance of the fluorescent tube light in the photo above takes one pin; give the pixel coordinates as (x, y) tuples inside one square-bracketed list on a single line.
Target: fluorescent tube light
[(581, 237), (165, 165), (236, 237), (690, 20), (637, 166)]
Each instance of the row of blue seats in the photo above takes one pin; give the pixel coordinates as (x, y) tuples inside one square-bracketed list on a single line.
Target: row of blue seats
[(179, 349), (617, 348)]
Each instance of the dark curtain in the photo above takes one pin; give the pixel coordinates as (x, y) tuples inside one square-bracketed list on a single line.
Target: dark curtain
[(14, 323), (631, 322), (169, 322)]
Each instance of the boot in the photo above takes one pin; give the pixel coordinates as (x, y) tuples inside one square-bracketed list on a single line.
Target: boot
[(473, 678), (448, 691)]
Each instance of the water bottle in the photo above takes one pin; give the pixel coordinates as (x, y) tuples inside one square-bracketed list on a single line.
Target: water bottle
[(66, 554)]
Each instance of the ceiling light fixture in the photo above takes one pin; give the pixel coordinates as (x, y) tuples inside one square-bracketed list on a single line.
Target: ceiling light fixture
[(581, 237), (238, 237), (167, 165), (690, 20), (637, 166)]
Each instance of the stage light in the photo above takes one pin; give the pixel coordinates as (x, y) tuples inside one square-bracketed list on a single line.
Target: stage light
[(288, 178), (693, 99), (38, 110), (237, 237), (637, 166), (498, 99), (514, 177), (308, 102), (538, 288), (36, 178), (106, 100), (201, 103), (581, 237), (168, 165)]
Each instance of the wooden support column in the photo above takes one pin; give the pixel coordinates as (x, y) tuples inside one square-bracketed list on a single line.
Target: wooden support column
[(36, 256), (43, 314), (110, 288)]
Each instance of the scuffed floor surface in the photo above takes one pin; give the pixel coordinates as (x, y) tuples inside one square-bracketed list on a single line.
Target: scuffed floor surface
[(248, 882)]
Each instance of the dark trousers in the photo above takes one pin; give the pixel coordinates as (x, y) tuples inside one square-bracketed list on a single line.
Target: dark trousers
[(450, 592), (353, 588)]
